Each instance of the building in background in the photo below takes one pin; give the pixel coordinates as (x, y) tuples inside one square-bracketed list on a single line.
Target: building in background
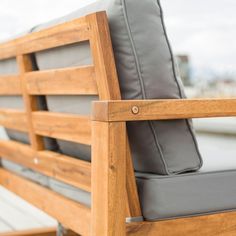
[(184, 68)]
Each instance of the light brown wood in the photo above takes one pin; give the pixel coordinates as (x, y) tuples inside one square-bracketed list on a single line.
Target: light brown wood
[(222, 224), (32, 232), (74, 216), (163, 109), (71, 127), (14, 119), (108, 179), (10, 85), (38, 232), (68, 127), (103, 58), (69, 170), (69, 81), (108, 88), (134, 209), (25, 65), (60, 35)]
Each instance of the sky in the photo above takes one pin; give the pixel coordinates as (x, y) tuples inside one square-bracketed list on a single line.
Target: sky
[(203, 29)]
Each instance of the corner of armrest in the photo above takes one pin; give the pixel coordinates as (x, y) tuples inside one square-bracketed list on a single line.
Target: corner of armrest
[(100, 111)]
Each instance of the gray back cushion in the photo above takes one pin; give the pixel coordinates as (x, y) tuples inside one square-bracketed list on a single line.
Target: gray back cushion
[(146, 70)]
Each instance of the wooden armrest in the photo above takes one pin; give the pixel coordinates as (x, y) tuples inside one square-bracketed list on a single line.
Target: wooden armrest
[(162, 109)]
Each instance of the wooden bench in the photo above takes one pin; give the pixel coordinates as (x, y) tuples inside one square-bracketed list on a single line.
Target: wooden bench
[(109, 177)]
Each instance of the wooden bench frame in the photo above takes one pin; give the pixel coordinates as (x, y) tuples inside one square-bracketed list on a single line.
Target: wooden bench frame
[(110, 176)]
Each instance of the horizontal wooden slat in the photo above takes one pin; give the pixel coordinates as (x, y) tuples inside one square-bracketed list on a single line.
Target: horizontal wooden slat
[(163, 109), (60, 35), (10, 85), (14, 119), (69, 170), (32, 232), (72, 215), (63, 126), (70, 81), (222, 224)]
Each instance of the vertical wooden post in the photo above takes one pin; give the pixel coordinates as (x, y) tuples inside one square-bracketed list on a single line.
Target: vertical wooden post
[(108, 179), (134, 209), (103, 58), (108, 88), (25, 65)]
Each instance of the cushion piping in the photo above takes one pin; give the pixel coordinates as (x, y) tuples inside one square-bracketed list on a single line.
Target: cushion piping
[(180, 92), (141, 81), (144, 94)]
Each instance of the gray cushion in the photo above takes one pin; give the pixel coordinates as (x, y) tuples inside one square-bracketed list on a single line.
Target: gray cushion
[(146, 70), (8, 67), (165, 197)]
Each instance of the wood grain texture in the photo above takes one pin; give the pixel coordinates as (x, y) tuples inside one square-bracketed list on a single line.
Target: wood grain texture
[(39, 232), (14, 119), (32, 232), (68, 127), (73, 215), (223, 224), (69, 81), (71, 127), (108, 179), (134, 209), (25, 65), (10, 85), (103, 57), (59, 35), (67, 169), (163, 109), (64, 168)]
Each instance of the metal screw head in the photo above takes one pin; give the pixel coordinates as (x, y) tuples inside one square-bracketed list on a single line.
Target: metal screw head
[(135, 110)]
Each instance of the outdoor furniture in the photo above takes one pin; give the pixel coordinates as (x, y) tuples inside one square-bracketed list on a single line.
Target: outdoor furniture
[(115, 207)]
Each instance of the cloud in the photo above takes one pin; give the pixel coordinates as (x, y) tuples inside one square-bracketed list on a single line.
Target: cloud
[(204, 29), (17, 16)]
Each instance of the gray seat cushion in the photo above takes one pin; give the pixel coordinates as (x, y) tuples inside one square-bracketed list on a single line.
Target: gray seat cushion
[(146, 70), (164, 197)]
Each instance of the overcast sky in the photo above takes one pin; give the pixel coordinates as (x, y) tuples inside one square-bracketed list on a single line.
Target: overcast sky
[(204, 29)]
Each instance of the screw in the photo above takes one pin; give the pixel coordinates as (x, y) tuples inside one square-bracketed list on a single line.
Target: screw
[(135, 110)]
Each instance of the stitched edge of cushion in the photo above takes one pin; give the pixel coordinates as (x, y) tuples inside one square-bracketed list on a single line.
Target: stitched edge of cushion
[(181, 95), (124, 7)]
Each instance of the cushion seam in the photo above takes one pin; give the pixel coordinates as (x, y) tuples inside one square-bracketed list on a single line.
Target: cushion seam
[(179, 89), (141, 82), (151, 219), (156, 177)]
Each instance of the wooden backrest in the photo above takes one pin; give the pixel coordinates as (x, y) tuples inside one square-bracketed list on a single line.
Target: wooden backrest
[(97, 79)]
